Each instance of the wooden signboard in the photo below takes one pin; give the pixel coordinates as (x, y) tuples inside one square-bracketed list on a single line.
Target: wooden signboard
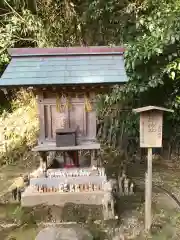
[(151, 123)]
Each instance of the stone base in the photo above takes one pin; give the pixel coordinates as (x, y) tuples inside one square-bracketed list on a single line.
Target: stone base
[(30, 199)]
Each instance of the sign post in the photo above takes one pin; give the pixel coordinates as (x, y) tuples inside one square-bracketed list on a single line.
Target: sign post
[(151, 124), (148, 189)]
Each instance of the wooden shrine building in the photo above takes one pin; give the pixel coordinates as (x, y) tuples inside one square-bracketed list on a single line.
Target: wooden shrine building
[(65, 81)]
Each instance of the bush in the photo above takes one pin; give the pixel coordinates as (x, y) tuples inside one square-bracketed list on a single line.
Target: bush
[(18, 129)]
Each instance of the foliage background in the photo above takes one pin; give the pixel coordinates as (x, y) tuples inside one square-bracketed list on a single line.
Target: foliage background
[(150, 31), (18, 129)]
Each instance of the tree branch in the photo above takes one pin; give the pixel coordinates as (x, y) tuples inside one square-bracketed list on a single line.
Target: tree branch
[(13, 10)]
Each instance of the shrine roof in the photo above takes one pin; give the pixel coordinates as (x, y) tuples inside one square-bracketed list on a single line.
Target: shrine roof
[(64, 66)]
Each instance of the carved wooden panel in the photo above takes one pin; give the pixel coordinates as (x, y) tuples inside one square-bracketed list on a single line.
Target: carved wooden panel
[(75, 116)]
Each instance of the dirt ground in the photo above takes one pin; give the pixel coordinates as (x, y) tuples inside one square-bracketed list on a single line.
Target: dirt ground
[(9, 172), (166, 215)]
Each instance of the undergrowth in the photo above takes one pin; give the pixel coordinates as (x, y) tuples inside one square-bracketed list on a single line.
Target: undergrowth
[(18, 129)]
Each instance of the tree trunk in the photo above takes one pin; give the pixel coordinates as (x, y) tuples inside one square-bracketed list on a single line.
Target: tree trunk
[(31, 4)]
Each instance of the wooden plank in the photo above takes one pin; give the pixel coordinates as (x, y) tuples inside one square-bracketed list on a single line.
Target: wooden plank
[(73, 91), (79, 140), (52, 147), (75, 98)]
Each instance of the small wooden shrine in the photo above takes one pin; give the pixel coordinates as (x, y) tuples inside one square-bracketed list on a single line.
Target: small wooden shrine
[(66, 82)]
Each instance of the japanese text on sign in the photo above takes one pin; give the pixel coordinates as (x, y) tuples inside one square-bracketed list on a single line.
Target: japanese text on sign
[(151, 129)]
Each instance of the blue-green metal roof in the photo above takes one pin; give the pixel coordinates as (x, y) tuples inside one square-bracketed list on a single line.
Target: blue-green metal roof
[(62, 69)]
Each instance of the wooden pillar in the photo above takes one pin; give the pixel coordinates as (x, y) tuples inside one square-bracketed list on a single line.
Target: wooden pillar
[(93, 158), (41, 116), (74, 155), (99, 158), (148, 191), (44, 162)]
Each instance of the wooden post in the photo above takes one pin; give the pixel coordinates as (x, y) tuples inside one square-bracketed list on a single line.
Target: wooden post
[(44, 162), (93, 158), (148, 192)]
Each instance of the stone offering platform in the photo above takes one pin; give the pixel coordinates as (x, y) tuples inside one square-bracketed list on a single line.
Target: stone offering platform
[(30, 198)]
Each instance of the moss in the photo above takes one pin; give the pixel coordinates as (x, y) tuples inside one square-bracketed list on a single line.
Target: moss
[(25, 232)]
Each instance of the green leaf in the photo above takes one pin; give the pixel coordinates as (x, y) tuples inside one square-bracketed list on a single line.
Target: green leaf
[(141, 21), (178, 67), (159, 51), (151, 27), (173, 75)]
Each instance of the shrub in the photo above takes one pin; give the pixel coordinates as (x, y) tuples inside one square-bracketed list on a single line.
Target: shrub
[(18, 129)]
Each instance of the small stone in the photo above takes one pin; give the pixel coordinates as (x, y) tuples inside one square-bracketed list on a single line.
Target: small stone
[(97, 221), (119, 237), (62, 233)]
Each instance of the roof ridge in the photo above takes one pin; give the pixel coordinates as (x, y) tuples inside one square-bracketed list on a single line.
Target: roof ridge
[(66, 51)]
